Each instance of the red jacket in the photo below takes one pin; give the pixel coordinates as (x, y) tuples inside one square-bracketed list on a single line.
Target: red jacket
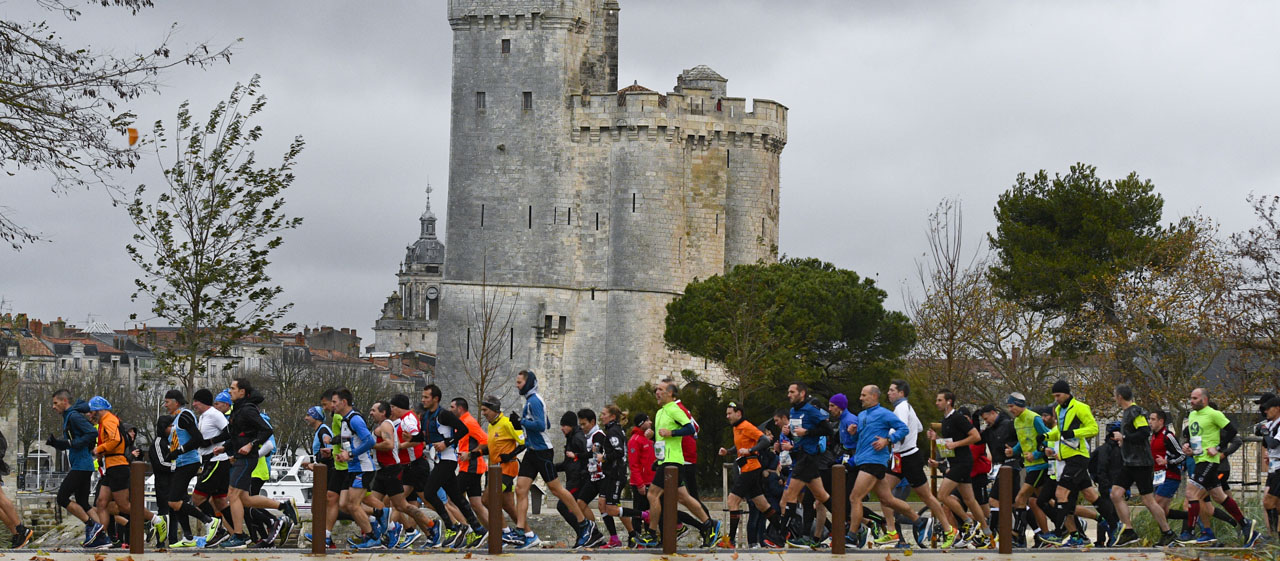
[(640, 458), (689, 444)]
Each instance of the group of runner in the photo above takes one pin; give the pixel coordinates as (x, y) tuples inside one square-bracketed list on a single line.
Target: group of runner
[(390, 463)]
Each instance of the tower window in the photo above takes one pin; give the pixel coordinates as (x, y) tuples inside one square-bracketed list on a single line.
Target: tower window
[(482, 216), (528, 101), (530, 217), (479, 100), (506, 46), (633, 202)]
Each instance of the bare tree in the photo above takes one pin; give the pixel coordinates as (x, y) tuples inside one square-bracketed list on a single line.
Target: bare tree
[(486, 342)]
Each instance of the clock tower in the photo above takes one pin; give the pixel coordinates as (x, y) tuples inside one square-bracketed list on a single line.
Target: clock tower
[(409, 317)]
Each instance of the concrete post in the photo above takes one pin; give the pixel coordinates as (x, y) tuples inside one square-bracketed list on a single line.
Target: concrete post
[(319, 508), (137, 504), (493, 501), (670, 500)]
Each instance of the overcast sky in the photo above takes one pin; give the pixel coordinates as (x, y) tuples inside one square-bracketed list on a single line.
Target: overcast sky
[(893, 107)]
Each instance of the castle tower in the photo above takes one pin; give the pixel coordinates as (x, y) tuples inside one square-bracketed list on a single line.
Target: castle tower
[(586, 209), (410, 315)]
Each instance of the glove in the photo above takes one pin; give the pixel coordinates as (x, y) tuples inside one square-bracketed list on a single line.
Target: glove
[(1068, 433), (57, 443), (515, 418), (504, 458), (172, 455)]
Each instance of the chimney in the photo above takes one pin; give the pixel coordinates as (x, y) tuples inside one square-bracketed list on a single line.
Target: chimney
[(37, 328), (345, 330)]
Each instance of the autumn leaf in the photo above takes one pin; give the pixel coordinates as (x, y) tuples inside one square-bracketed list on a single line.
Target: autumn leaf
[(734, 556), (38, 558), (585, 557), (467, 556)]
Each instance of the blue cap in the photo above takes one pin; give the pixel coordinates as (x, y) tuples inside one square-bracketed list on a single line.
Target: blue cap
[(224, 396), (316, 413), (99, 403)]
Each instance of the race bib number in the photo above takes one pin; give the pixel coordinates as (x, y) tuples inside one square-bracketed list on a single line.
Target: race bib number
[(844, 459), (1058, 466), (1158, 478), (1197, 445), (660, 450), (943, 451), (795, 424), (895, 464)]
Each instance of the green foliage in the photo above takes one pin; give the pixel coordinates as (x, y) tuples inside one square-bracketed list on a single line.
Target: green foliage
[(801, 319), (1058, 240), (205, 239)]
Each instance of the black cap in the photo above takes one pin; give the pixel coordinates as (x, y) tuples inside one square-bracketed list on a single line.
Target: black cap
[(1061, 386), (177, 396), (988, 409), (400, 401), (1273, 402), (639, 419), (1264, 398), (569, 419), (203, 395)]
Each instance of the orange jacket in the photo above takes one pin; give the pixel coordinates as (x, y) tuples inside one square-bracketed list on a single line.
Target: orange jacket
[(476, 437), (110, 441)]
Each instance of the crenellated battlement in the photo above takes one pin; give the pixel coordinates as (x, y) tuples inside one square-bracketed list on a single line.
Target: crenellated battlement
[(482, 15), (692, 115)]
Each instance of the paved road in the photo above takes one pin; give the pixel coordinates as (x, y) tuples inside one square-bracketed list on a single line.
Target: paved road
[(1127, 554)]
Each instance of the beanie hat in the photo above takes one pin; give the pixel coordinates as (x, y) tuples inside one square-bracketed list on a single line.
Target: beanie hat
[(400, 401), (224, 396), (99, 403), (569, 419), (840, 400), (176, 395), (639, 419), (163, 422), (1016, 398), (315, 412), (203, 395), (493, 402), (1061, 386)]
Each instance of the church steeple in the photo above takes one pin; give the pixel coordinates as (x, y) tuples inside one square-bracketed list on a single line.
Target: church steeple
[(428, 219)]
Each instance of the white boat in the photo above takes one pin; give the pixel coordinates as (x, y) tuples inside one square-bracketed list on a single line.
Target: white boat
[(287, 482)]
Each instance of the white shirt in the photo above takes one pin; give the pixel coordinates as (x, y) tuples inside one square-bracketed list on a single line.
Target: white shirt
[(1273, 454), (211, 424), (907, 415)]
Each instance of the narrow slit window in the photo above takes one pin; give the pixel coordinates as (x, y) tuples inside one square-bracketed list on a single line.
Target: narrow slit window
[(597, 221), (482, 216), (531, 218), (726, 158), (511, 340), (717, 222), (569, 216), (468, 342), (633, 202), (762, 226), (506, 46), (528, 101), (593, 294), (479, 100)]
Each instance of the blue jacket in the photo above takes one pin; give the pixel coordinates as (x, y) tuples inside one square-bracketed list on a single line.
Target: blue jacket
[(534, 420), (877, 422), (81, 435), (848, 441), (811, 419)]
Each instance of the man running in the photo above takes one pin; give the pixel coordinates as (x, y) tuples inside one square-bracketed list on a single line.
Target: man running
[(808, 427), (606, 472), (472, 464), (247, 432), (1075, 424), (1000, 436), (113, 486), (183, 449), (958, 434), (1269, 430), (321, 439), (908, 463), (1139, 469), (503, 447), (210, 494), (442, 430), (1207, 428), (540, 460), (357, 445), (392, 458), (748, 442), (78, 438), (415, 474), (672, 425), (1029, 429), (877, 429)]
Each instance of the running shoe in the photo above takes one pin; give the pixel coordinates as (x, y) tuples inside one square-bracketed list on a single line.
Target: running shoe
[(369, 542), (159, 529), (433, 535), (886, 540), (183, 543), (530, 542), (923, 530), (711, 533), (475, 538), (802, 541), (409, 538), (1051, 539), (1167, 539), (1126, 537), (1249, 532), (1078, 539), (613, 543), (1206, 538), (219, 537), (948, 540), (102, 541), (392, 538), (290, 508), (22, 538), (234, 542), (211, 529)]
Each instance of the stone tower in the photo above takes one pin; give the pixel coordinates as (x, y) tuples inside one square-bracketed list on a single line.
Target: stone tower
[(410, 315), (587, 208)]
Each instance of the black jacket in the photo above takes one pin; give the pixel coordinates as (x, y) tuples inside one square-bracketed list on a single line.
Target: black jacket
[(612, 442), (247, 426), (575, 470), (998, 435)]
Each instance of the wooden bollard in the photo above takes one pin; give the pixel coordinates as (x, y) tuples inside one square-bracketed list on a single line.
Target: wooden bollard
[(319, 508), (493, 500), (670, 498), (137, 504), (1004, 483), (839, 502)]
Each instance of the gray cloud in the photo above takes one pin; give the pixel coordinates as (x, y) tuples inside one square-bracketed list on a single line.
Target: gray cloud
[(893, 106)]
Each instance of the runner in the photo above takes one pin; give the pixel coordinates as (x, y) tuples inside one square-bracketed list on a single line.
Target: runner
[(77, 438), (1075, 425), (1167, 456), (442, 432), (908, 462), (1206, 429), (321, 440), (1000, 436), (210, 494), (113, 485), (1029, 430), (415, 472), (503, 447), (539, 460), (387, 484), (472, 464), (1269, 430), (957, 435), (357, 443), (672, 425), (1139, 469), (748, 442), (807, 427), (640, 462), (247, 433), (182, 449), (876, 429)]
